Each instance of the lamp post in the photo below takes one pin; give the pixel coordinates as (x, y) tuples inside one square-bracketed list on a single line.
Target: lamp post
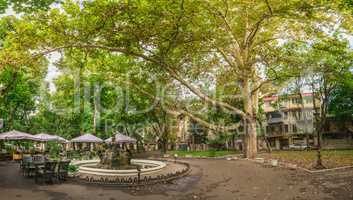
[(319, 164), (138, 167)]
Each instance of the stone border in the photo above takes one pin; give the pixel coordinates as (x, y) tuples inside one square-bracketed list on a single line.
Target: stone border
[(133, 181), (326, 170), (84, 169), (294, 166), (231, 156)]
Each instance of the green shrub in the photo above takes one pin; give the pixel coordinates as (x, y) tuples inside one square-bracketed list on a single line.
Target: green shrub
[(73, 168), (54, 149)]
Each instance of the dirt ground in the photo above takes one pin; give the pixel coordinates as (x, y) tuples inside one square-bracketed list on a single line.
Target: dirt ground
[(209, 179)]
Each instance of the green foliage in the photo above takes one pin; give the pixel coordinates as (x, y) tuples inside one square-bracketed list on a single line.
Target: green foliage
[(137, 45), (54, 149), (18, 97), (26, 5), (12, 146), (218, 143), (73, 168), (341, 102), (346, 5)]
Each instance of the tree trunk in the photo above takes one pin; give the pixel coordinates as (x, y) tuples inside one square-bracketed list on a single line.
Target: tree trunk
[(250, 123), (96, 111), (251, 140), (82, 100), (269, 149)]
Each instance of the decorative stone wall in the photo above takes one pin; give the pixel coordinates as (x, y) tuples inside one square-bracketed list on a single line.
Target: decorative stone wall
[(171, 171)]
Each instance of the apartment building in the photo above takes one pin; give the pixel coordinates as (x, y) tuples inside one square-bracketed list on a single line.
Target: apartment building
[(290, 120)]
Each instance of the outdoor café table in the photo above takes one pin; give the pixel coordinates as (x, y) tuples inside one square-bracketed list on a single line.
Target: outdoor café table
[(46, 170), (33, 166)]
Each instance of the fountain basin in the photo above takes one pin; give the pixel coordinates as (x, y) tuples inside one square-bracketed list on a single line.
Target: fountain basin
[(89, 167)]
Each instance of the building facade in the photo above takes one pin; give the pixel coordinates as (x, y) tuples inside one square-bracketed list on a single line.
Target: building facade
[(289, 120)]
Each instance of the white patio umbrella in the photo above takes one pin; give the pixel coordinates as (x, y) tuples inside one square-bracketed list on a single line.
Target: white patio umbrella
[(120, 138), (87, 138), (61, 139), (43, 137), (17, 135)]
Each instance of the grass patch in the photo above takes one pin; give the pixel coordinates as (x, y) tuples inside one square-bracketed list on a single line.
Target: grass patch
[(209, 153), (307, 159)]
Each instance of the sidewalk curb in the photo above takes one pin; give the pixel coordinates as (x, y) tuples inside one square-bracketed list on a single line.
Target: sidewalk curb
[(231, 156), (295, 167)]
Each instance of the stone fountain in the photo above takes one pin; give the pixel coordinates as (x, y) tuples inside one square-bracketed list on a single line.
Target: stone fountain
[(115, 158), (116, 166)]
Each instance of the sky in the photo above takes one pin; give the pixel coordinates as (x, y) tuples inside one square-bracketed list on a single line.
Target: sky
[(53, 71)]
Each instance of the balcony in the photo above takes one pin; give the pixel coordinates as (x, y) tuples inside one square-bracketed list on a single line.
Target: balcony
[(276, 117), (276, 134), (276, 120)]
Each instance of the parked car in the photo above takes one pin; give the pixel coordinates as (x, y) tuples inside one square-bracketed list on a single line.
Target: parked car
[(299, 147)]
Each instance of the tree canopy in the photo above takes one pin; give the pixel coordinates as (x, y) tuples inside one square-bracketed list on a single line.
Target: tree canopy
[(180, 58)]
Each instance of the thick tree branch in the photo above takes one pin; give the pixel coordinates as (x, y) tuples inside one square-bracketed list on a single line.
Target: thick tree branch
[(226, 58), (204, 123), (166, 67), (184, 112), (227, 26), (269, 6), (201, 95)]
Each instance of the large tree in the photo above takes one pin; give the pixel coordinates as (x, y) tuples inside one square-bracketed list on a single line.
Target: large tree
[(189, 41)]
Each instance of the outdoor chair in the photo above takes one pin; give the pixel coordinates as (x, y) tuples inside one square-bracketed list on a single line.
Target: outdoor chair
[(47, 172), (63, 170), (39, 159), (24, 160), (26, 165)]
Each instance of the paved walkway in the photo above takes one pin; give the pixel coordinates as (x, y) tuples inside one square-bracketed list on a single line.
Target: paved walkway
[(209, 179)]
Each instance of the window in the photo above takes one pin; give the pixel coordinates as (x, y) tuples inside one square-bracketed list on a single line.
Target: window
[(285, 115), (294, 128), (300, 114), (286, 128)]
